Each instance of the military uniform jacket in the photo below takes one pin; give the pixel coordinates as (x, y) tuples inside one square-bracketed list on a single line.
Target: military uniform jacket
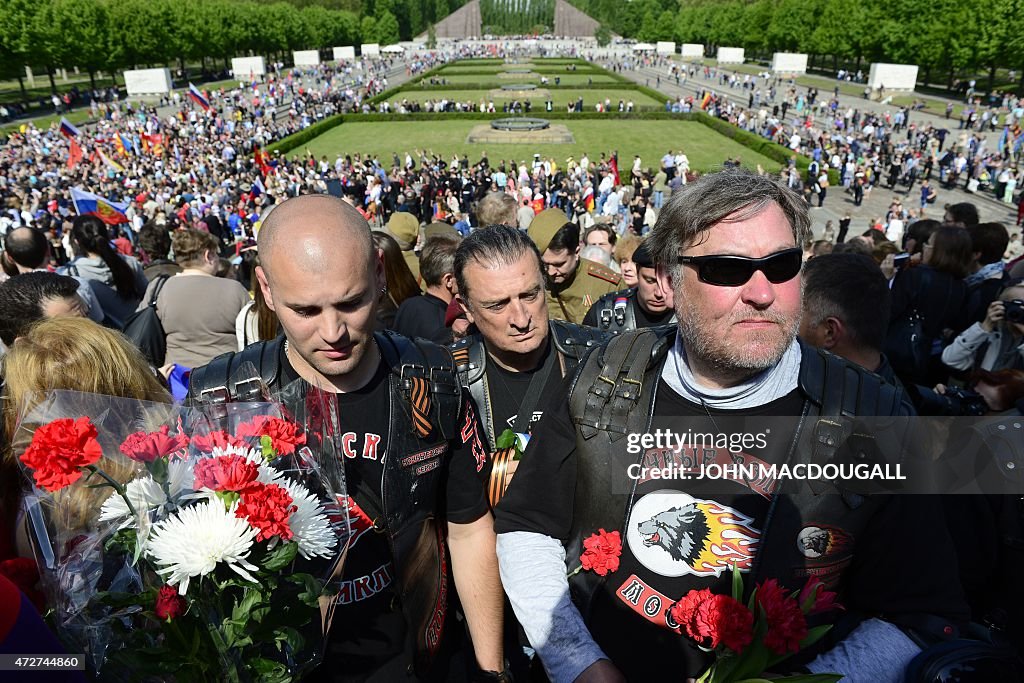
[(590, 282)]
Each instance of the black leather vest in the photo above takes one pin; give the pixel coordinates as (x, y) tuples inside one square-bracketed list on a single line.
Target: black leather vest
[(616, 312), (572, 341), (411, 491), (612, 395)]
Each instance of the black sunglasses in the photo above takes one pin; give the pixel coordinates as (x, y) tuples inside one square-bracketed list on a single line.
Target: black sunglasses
[(733, 271)]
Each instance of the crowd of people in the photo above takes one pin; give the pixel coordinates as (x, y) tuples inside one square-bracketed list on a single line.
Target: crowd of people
[(559, 307)]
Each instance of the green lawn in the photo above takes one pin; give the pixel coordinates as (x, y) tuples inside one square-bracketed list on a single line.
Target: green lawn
[(567, 79), (77, 117), (650, 139), (560, 98)]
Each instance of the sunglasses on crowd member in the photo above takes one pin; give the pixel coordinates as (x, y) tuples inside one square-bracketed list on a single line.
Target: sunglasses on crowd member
[(733, 271)]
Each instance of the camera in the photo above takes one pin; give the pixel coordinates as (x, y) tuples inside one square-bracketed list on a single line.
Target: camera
[(900, 261), (955, 402), (1013, 311)]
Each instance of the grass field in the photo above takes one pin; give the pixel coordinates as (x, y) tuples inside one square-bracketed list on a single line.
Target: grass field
[(560, 98), (650, 139), (566, 79)]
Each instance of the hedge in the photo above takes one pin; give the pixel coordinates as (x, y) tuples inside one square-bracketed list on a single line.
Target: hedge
[(608, 85)]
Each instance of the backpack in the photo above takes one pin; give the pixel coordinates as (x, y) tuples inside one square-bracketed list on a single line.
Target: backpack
[(144, 329)]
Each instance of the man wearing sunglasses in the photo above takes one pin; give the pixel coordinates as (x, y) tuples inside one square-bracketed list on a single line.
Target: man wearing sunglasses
[(727, 247)]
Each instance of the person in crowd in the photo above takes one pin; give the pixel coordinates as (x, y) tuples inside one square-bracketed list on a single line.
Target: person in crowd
[(401, 283), (116, 280), (988, 271), (497, 208), (30, 297), (155, 250), (73, 354), (623, 255), (198, 310), (963, 214), (603, 236), (846, 303), (573, 283), (256, 322), (423, 316), (935, 292), (29, 251), (322, 275), (995, 343), (646, 305), (404, 228), (517, 353), (728, 246)]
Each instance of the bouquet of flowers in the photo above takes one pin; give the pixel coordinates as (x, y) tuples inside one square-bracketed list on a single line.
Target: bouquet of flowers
[(176, 545), (746, 645)]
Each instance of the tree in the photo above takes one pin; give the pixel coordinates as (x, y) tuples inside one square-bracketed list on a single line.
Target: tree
[(432, 37), (603, 35), (368, 30), (84, 33), (387, 28), (16, 19)]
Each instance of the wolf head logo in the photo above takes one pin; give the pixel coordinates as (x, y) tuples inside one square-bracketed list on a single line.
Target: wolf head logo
[(680, 531)]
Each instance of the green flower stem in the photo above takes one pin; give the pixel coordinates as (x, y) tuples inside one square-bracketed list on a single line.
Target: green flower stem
[(574, 572), (114, 484)]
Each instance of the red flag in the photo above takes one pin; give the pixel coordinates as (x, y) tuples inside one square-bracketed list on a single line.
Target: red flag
[(614, 163), (260, 157), (75, 154)]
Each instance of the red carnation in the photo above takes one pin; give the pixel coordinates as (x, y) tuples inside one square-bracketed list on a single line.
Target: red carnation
[(601, 552), (225, 473), (169, 605), (284, 435), (267, 508), (814, 598), (786, 623), (207, 442), (713, 619), (148, 446), (59, 450)]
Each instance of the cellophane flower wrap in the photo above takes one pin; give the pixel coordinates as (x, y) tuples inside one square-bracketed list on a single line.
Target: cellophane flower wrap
[(187, 544)]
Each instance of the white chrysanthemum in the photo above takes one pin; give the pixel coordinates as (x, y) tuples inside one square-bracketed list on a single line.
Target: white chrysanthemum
[(194, 540), (146, 495), (253, 454), (309, 524)]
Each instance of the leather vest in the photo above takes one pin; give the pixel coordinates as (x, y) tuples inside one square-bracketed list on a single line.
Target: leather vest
[(616, 312), (413, 485), (470, 354), (612, 395)]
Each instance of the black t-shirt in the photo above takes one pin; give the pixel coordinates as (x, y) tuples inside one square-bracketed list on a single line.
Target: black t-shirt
[(423, 316), (645, 319), (685, 534), (369, 629), (508, 390)]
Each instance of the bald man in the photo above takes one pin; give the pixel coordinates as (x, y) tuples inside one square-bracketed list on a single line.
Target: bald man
[(405, 427)]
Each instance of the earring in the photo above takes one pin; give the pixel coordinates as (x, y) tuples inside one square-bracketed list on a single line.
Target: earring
[(384, 290)]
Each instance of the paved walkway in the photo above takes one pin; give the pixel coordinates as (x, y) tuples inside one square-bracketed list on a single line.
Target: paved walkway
[(837, 202)]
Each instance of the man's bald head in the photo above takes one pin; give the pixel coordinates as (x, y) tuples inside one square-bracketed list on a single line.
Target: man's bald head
[(312, 228), (27, 247)]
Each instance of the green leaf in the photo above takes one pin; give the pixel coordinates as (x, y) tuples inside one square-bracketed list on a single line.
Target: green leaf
[(268, 671), (507, 439), (803, 678), (291, 637), (814, 635), (242, 609), (267, 447), (158, 468), (737, 584), (280, 557)]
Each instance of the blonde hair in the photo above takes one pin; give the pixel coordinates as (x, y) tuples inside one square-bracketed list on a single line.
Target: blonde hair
[(625, 247), (190, 246), (73, 354)]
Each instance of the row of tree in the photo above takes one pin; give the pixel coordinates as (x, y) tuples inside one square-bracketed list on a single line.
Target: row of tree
[(109, 35), (943, 37), (517, 17)]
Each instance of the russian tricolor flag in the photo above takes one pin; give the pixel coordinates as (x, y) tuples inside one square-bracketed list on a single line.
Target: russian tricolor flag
[(198, 98), (67, 128), (107, 211)]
